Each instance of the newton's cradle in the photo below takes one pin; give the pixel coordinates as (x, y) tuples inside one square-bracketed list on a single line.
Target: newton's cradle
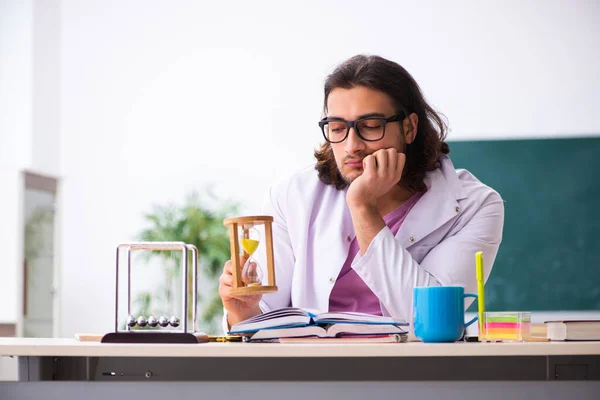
[(247, 280)]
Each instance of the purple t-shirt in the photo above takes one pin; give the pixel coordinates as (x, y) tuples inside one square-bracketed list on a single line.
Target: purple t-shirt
[(350, 293)]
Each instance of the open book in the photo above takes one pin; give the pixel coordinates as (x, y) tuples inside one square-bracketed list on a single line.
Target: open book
[(297, 322), (328, 331)]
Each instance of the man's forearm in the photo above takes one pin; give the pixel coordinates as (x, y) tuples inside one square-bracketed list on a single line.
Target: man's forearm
[(367, 224)]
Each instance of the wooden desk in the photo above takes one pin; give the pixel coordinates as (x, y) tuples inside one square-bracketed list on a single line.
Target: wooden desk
[(52, 359), (70, 360)]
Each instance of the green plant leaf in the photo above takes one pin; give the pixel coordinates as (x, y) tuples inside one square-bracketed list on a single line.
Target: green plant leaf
[(192, 222)]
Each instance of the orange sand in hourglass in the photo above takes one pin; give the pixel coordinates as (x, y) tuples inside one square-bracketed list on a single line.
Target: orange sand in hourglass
[(251, 272)]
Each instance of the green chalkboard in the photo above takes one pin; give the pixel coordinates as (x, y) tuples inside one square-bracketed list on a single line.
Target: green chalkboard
[(549, 258)]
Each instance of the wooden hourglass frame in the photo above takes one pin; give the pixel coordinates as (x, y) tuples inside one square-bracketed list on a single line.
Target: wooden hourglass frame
[(246, 223)]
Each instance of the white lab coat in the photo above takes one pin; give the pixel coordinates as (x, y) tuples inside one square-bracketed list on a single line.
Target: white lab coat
[(436, 244)]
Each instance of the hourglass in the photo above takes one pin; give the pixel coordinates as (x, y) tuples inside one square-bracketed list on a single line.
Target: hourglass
[(251, 271), (243, 235)]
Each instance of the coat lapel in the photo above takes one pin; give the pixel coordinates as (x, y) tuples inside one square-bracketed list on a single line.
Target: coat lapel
[(436, 207)]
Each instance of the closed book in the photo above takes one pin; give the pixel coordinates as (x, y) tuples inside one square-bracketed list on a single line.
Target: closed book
[(395, 338), (573, 330)]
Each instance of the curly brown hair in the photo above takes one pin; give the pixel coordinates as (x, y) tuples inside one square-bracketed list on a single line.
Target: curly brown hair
[(377, 73)]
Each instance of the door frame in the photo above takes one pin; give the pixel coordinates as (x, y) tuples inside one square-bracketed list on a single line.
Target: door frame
[(50, 184)]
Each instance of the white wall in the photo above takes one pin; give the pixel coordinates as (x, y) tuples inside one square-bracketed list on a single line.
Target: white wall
[(157, 99), (45, 146), (29, 126), (16, 92), (16, 86)]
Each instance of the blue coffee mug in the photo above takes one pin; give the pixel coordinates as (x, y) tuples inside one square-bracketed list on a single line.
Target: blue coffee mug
[(439, 313)]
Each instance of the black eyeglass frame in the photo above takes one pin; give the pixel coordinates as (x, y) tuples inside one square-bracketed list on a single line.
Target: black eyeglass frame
[(354, 124)]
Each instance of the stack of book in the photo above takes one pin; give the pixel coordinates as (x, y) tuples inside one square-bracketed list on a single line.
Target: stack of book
[(292, 324), (573, 330)]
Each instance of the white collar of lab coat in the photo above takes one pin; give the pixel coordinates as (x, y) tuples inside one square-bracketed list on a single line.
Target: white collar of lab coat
[(436, 207)]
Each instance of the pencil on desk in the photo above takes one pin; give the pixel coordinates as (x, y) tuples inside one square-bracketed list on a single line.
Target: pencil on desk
[(224, 338), (480, 290), (89, 337), (538, 339)]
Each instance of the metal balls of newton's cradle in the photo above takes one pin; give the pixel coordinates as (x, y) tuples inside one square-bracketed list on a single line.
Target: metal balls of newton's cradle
[(141, 321), (178, 331), (152, 322), (163, 321)]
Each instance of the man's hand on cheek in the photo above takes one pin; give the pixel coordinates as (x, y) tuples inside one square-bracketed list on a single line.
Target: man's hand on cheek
[(381, 171)]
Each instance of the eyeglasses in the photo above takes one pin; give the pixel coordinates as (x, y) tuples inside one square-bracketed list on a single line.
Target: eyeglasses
[(369, 129)]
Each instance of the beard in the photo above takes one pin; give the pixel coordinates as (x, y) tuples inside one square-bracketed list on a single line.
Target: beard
[(348, 179), (352, 173)]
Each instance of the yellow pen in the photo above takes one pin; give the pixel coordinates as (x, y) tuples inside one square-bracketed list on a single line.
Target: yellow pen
[(480, 293)]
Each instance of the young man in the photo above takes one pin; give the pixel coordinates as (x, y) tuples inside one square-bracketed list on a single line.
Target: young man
[(381, 212)]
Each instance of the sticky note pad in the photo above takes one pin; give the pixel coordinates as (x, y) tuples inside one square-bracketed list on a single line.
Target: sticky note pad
[(506, 326)]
